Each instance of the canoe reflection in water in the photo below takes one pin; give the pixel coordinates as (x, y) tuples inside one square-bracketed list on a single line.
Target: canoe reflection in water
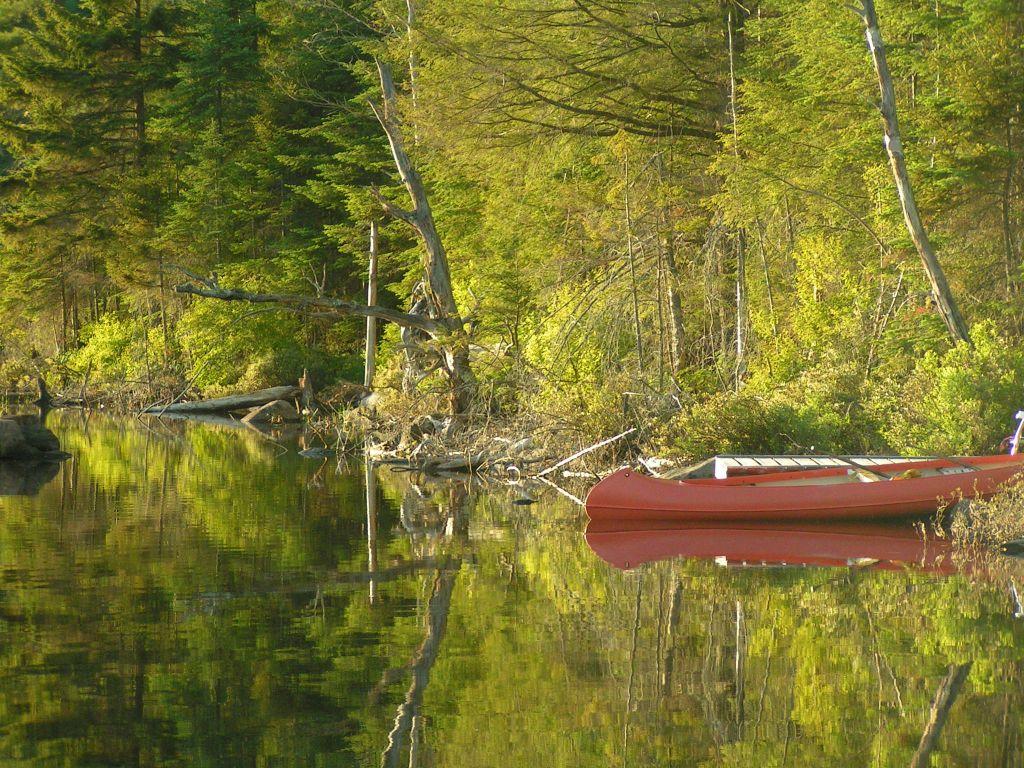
[(867, 545)]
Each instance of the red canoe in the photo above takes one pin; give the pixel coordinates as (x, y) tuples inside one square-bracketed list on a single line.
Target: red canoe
[(869, 545), (850, 492)]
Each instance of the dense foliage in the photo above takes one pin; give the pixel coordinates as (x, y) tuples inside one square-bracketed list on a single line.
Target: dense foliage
[(687, 201)]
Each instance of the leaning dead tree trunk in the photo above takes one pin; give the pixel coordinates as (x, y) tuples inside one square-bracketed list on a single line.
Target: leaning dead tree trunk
[(941, 293), (438, 287)]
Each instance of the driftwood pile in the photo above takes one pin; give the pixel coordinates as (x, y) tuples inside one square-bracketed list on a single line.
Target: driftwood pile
[(428, 444), (437, 445)]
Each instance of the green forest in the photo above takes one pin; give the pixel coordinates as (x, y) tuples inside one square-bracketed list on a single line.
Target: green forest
[(674, 214)]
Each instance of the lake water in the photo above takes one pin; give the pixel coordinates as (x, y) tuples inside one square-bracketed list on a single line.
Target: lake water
[(189, 595)]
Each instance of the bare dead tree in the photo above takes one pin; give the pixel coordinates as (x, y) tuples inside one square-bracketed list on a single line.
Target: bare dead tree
[(438, 286), (944, 300), (440, 320)]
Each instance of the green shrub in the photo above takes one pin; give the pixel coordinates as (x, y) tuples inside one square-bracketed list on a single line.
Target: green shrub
[(959, 402), (236, 346), (746, 423), (113, 347)]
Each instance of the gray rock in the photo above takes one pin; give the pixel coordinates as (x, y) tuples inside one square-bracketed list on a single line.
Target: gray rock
[(36, 435), (13, 444), (25, 439)]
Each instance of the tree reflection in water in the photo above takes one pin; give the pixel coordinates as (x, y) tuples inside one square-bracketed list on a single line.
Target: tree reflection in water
[(182, 595)]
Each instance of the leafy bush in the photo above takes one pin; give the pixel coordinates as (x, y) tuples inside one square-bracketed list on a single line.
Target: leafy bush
[(113, 347), (747, 423), (959, 402), (235, 346)]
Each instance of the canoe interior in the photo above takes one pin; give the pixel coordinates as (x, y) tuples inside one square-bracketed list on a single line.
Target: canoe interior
[(734, 465), (902, 469)]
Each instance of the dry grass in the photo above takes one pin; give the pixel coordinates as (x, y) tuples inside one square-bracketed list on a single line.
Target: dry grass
[(991, 522), (980, 531)]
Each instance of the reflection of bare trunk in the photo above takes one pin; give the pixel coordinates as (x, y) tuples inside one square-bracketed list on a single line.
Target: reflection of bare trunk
[(632, 671), (371, 527), (138, 708), (673, 617), (741, 652), (437, 620), (458, 519), (708, 679), (415, 741), (944, 700)]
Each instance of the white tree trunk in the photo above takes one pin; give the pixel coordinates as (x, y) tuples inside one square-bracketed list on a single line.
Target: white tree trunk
[(941, 293), (438, 287), (371, 322)]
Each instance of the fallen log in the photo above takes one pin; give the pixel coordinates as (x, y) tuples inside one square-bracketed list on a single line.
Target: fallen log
[(453, 462), (229, 403), (466, 463)]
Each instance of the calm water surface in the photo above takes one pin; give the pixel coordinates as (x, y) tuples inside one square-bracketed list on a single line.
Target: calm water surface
[(187, 595)]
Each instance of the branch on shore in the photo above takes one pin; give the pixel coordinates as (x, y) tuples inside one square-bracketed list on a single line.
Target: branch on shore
[(319, 306), (585, 451)]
